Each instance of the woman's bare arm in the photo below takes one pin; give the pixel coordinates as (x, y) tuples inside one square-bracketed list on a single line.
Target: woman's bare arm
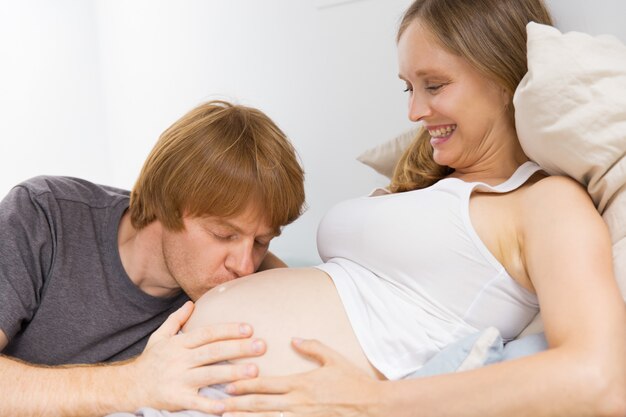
[(567, 252)]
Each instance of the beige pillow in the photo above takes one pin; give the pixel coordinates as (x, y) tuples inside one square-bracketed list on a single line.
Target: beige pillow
[(570, 111), (383, 157)]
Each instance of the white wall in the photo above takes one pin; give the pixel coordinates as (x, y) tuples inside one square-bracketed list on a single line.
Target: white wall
[(86, 86), (595, 17), (327, 77), (51, 107)]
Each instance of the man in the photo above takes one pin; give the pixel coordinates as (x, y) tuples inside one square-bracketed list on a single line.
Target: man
[(89, 272)]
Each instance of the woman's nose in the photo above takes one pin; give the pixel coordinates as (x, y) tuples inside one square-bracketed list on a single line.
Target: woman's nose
[(419, 108)]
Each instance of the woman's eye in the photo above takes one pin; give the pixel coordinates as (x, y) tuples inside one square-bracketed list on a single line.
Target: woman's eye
[(434, 87), (408, 88)]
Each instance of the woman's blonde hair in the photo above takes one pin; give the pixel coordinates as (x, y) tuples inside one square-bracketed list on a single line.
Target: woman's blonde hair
[(218, 160), (491, 36)]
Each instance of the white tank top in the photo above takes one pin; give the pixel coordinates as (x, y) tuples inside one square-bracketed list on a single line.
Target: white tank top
[(414, 276)]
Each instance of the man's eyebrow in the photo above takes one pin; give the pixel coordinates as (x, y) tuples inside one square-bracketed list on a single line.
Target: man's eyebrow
[(226, 223), (270, 234)]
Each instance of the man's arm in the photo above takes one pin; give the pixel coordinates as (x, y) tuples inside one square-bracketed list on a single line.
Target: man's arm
[(167, 375), (3, 340), (271, 261)]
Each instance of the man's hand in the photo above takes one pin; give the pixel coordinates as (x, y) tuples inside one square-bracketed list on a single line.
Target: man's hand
[(173, 366), (167, 375)]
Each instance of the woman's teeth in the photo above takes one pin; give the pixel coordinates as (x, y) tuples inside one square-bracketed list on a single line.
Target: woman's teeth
[(442, 131)]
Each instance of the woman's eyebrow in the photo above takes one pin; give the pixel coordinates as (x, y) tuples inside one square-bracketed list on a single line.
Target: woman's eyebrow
[(424, 72)]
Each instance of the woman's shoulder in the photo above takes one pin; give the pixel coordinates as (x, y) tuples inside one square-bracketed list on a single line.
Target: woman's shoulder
[(548, 196), (554, 188)]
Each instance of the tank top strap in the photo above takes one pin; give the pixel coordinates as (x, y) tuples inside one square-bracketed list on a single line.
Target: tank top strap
[(519, 177)]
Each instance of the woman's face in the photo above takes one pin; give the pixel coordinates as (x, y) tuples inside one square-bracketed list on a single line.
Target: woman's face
[(464, 112)]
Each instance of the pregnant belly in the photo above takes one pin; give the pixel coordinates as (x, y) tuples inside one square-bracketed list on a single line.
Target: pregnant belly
[(281, 304)]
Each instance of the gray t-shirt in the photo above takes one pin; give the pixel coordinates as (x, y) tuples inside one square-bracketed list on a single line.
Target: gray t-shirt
[(64, 295)]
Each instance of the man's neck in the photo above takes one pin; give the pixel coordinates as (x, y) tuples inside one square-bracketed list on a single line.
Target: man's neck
[(142, 257)]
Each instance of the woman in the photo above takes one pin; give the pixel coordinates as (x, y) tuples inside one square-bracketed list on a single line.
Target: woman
[(472, 236)]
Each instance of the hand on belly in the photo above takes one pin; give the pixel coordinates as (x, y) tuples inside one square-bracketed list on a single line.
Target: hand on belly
[(281, 304)]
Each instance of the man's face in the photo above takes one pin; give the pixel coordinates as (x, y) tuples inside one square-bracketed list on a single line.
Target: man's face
[(213, 250)]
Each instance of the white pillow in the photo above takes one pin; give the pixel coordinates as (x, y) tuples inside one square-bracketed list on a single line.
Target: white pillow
[(570, 112)]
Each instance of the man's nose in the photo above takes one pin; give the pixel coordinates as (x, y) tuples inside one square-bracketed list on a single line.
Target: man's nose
[(241, 260)]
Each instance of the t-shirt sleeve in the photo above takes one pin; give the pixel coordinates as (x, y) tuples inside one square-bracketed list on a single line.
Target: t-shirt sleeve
[(26, 247)]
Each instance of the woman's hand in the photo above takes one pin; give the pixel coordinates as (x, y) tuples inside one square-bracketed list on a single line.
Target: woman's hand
[(336, 389)]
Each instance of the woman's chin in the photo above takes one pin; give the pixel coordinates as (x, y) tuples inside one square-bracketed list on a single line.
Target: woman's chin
[(441, 158)]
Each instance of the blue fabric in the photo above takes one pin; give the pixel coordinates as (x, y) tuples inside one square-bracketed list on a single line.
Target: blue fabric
[(525, 346), (480, 349), (475, 350)]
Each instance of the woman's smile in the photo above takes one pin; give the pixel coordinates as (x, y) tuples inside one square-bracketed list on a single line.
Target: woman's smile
[(440, 133)]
